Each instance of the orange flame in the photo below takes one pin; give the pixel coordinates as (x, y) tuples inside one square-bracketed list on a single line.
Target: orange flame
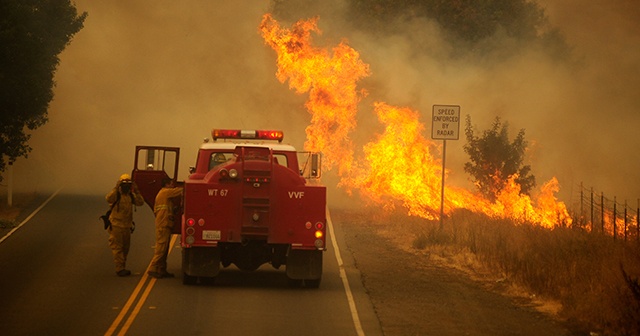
[(398, 167), (330, 80), (619, 228)]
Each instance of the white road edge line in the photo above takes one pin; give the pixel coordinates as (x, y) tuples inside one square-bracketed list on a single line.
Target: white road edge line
[(30, 216), (345, 281)]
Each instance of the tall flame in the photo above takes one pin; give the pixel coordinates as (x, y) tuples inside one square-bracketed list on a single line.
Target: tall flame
[(330, 79), (398, 166)]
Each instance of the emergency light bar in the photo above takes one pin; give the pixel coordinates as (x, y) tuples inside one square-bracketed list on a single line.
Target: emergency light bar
[(247, 134)]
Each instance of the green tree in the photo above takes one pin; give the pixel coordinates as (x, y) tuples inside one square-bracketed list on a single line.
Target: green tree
[(32, 35), (494, 159), (469, 20), (469, 24)]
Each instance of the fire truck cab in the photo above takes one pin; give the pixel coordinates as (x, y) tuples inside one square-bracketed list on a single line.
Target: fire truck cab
[(249, 200)]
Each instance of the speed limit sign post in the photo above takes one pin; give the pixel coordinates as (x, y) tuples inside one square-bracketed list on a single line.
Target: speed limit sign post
[(445, 126)]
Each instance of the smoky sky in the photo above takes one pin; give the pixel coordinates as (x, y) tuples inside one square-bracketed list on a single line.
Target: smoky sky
[(166, 73)]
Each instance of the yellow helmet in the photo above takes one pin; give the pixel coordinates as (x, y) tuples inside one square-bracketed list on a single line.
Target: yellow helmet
[(125, 177), (219, 158)]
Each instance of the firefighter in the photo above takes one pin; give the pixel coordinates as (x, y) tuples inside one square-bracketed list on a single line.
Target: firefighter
[(163, 210), (123, 198), (219, 158)]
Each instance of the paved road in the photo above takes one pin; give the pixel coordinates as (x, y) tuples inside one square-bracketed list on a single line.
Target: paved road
[(57, 278)]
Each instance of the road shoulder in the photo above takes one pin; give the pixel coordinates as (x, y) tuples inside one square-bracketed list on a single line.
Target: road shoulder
[(414, 296)]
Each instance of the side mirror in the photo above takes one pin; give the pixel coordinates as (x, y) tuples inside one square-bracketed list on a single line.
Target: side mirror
[(315, 165)]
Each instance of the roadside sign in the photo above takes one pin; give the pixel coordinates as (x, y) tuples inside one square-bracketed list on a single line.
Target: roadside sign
[(445, 125), (445, 122)]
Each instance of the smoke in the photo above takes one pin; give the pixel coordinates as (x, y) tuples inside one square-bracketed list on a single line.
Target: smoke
[(599, 146), (580, 120), (166, 73), (155, 73)]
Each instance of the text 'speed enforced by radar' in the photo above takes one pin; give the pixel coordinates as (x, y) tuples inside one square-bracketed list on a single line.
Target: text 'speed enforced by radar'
[(445, 122)]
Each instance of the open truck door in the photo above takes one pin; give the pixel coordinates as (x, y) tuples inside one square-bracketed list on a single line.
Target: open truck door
[(152, 164)]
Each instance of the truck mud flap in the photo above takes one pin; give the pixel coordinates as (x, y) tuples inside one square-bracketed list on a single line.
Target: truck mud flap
[(304, 264), (201, 261)]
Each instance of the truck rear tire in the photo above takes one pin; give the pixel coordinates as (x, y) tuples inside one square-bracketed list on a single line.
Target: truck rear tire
[(294, 283), (188, 279), (201, 261), (305, 265), (314, 283), (208, 281)]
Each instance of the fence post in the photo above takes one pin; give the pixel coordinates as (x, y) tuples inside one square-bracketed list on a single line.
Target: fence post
[(581, 205), (592, 209), (602, 211), (615, 227), (625, 220)]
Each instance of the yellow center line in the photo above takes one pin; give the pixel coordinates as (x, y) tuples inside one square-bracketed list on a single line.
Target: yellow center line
[(132, 299), (136, 310)]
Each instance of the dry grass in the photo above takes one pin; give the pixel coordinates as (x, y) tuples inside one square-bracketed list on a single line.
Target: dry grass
[(591, 275), (585, 278)]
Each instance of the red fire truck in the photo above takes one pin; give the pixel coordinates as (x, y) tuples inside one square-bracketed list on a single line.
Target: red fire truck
[(248, 201)]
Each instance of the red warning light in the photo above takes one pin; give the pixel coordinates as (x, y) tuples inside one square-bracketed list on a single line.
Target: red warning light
[(270, 135), (225, 134), (247, 134)]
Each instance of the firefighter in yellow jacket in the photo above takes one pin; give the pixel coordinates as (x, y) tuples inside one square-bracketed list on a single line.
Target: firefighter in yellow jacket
[(163, 211), (123, 198)]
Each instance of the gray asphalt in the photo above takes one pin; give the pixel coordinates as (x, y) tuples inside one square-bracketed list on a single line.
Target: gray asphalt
[(58, 278)]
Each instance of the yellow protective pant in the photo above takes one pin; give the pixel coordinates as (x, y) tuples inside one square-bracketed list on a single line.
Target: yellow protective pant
[(119, 242), (159, 261)]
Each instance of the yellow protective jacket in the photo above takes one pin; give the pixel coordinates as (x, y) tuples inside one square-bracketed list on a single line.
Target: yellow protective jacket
[(122, 213), (163, 209)]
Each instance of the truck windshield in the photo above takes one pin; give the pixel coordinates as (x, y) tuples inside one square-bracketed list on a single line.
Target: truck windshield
[(280, 159), (219, 158)]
